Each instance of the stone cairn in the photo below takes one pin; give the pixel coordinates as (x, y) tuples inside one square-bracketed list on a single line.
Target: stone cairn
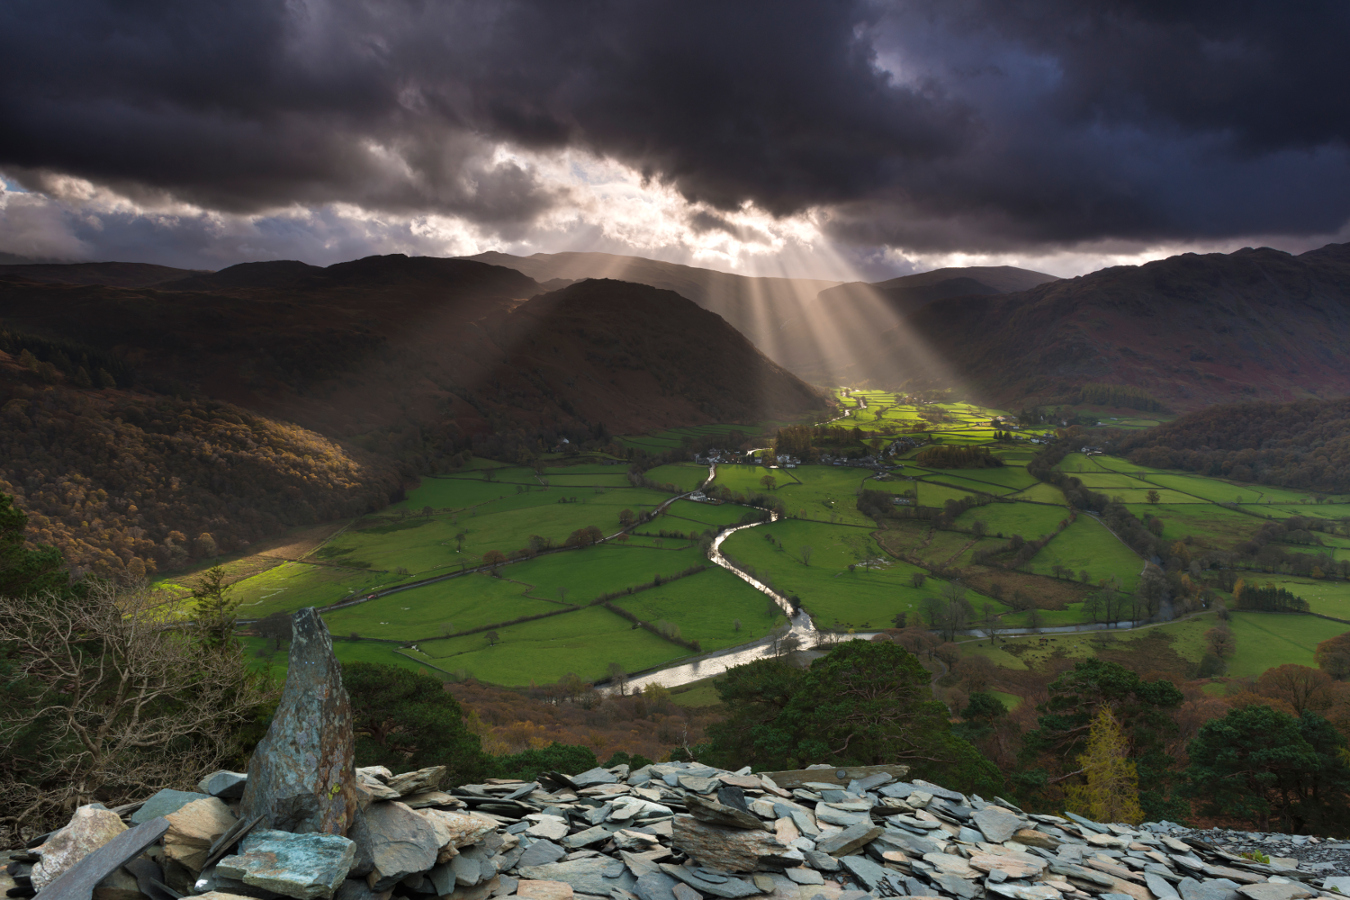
[(304, 823)]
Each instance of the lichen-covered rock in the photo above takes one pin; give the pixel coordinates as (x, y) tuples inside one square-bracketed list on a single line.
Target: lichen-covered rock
[(303, 866), (301, 778), (393, 842), (731, 849), (165, 802), (90, 828)]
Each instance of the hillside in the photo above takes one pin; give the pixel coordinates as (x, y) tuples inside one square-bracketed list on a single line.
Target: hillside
[(1303, 445), (756, 307), (395, 366), (1192, 330), (842, 337)]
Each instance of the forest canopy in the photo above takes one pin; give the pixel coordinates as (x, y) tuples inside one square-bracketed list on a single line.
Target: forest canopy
[(1303, 445)]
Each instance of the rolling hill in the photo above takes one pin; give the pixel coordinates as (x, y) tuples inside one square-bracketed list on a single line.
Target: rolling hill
[(390, 366), (1191, 329), (756, 307)]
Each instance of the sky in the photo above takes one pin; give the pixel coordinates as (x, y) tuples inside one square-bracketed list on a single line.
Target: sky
[(851, 139)]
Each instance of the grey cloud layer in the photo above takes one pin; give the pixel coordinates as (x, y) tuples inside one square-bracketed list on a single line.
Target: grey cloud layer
[(942, 125)]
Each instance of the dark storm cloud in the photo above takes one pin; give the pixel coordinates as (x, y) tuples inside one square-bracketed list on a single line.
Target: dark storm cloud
[(960, 124)]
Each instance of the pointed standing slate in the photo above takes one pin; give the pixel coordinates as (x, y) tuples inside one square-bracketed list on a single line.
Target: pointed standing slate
[(301, 778), (78, 882)]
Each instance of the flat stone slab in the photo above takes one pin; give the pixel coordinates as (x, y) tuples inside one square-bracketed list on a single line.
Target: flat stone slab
[(850, 839), (996, 823), (78, 881), (586, 876), (1275, 891), (730, 849), (224, 784), (89, 829), (165, 802), (303, 866)]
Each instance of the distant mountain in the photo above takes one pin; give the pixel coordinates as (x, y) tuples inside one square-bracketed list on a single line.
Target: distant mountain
[(113, 274), (756, 307), (843, 337), (373, 371), (1192, 330)]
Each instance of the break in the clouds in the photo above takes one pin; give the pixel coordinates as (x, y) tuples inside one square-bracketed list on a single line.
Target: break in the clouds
[(871, 135)]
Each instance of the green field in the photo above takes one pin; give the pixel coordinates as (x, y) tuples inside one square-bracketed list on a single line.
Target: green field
[(710, 515), (685, 476), (1266, 640), (1225, 526), (1087, 544), (456, 604), (291, 586), (582, 643), (1042, 493), (1030, 520), (867, 597), (706, 608)]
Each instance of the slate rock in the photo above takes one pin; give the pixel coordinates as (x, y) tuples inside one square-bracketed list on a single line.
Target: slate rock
[(303, 866), (224, 784), (803, 875), (732, 796), (592, 777), (832, 816), (541, 853), (656, 886), (996, 823), (89, 829), (1216, 889), (586, 876), (417, 782), (193, 830), (301, 778), (593, 835), (1160, 887), (454, 830), (163, 803), (1023, 891), (729, 849), (392, 842), (1337, 882), (864, 870), (855, 837), (1033, 838), (357, 889), (702, 881), (822, 862), (553, 828), (957, 886), (544, 890), (683, 891), (715, 813), (1275, 891)]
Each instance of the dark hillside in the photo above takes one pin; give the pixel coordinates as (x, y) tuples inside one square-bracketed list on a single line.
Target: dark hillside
[(1191, 330), (112, 274), (756, 307), (248, 394), (1303, 445)]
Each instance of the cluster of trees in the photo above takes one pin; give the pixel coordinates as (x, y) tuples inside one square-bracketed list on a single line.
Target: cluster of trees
[(950, 456), (128, 484), (1303, 445), (58, 361), (1267, 599), (863, 703), (1122, 395)]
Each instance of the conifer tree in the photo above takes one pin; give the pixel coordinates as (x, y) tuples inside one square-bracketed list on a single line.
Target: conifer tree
[(215, 612), (1111, 789)]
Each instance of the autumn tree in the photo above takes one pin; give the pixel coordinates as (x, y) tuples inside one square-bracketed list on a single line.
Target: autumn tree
[(1221, 641), (769, 482), (1301, 687), (1110, 789), (494, 558), (1333, 656)]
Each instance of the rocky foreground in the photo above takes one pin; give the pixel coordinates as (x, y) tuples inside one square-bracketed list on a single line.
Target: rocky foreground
[(303, 823)]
